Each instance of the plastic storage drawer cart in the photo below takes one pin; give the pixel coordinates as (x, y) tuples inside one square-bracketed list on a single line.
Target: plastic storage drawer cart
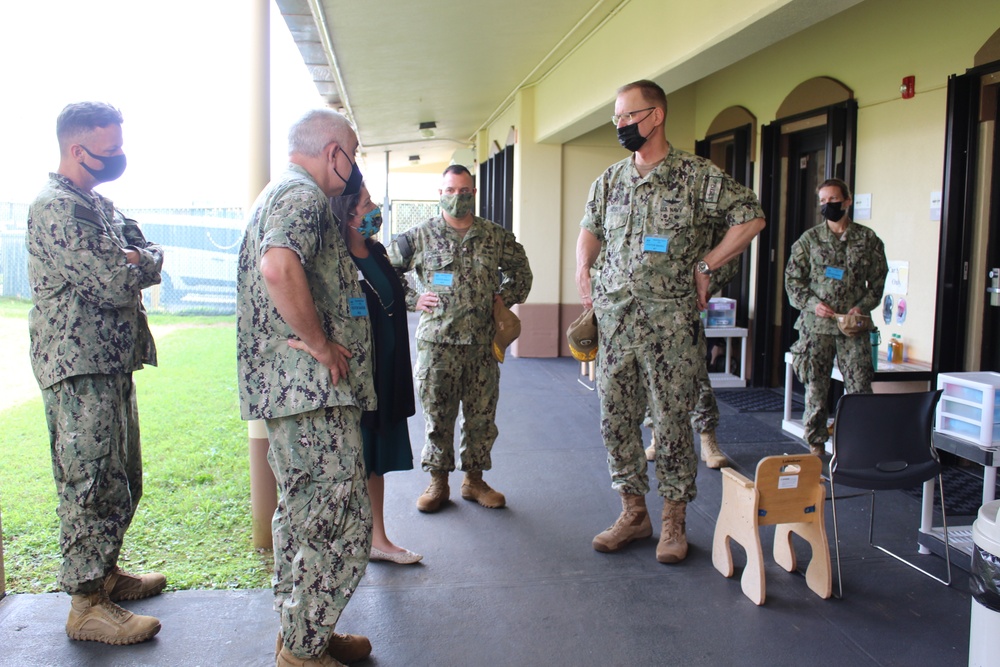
[(970, 407), (721, 312)]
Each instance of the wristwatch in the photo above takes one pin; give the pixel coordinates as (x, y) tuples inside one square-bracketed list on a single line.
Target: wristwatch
[(703, 268)]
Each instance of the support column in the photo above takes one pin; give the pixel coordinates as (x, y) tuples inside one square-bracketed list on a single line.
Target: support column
[(263, 487)]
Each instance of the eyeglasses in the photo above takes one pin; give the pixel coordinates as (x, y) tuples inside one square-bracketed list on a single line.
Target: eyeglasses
[(461, 191), (628, 116)]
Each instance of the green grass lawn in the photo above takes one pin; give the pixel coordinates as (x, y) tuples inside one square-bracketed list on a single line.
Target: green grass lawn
[(193, 523)]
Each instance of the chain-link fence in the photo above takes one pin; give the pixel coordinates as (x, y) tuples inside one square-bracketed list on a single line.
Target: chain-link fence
[(407, 213), (201, 248), (200, 255), (13, 255)]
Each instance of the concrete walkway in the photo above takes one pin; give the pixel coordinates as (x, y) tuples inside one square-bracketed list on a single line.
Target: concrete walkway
[(522, 586)]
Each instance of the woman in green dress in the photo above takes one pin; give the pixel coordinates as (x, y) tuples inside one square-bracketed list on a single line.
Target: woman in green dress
[(384, 431)]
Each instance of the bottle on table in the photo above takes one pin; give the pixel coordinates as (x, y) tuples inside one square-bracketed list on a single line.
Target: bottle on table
[(896, 349)]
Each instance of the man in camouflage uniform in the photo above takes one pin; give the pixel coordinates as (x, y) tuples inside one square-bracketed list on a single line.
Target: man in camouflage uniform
[(651, 219), (303, 354), (87, 265), (463, 264), (836, 267)]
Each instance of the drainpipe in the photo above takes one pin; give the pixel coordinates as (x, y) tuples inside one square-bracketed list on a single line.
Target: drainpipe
[(263, 487)]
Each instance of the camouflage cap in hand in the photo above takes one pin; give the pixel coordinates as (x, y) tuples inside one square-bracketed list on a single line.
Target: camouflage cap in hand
[(582, 336)]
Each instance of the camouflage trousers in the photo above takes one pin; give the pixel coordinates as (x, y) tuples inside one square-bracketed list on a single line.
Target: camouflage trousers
[(705, 416), (813, 362), (450, 378), (636, 369), (93, 426), (322, 526)]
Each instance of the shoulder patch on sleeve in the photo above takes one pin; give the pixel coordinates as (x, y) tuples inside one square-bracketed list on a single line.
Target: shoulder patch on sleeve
[(405, 249), (84, 213), (713, 188)]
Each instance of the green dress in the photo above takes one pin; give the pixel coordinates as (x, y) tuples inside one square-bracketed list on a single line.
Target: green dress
[(387, 447)]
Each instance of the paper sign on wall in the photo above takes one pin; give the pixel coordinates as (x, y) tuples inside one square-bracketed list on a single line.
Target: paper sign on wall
[(936, 206), (863, 206), (898, 278)]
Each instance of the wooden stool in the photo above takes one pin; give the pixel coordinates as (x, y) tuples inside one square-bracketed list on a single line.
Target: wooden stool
[(787, 494)]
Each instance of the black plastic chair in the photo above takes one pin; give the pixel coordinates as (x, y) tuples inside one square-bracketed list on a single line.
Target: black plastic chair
[(883, 441)]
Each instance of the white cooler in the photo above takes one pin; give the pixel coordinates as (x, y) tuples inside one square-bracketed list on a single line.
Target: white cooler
[(984, 626)]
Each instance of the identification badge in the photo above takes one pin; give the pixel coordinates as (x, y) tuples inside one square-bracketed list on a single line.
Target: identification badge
[(443, 278), (834, 273), (359, 306), (655, 244)]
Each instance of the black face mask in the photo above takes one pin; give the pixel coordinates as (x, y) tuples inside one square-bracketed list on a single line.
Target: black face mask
[(353, 182), (832, 210), (114, 166), (629, 137)]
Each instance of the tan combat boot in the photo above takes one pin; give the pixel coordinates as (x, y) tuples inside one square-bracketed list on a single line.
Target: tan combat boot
[(95, 618), (286, 659), (474, 488), (346, 648), (436, 494), (121, 585), (673, 545), (651, 450), (710, 453), (632, 524), (349, 648)]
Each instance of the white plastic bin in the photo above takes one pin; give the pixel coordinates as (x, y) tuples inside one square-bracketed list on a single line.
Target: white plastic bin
[(721, 312), (984, 625), (970, 407)]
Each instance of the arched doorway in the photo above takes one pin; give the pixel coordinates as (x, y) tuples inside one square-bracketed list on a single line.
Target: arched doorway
[(813, 138)]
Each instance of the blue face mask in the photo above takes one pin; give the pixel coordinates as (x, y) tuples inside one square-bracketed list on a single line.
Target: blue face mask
[(353, 182), (371, 223), (114, 166)]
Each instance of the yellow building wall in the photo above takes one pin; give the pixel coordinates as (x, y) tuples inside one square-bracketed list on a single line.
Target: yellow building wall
[(584, 159), (675, 42), (900, 142), (869, 46)]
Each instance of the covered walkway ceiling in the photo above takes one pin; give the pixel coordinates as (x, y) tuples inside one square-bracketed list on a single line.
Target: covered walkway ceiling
[(394, 64)]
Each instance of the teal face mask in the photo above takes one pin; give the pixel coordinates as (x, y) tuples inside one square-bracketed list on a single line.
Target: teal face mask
[(371, 223)]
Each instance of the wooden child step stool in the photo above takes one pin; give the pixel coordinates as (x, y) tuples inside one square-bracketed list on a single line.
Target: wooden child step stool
[(788, 493)]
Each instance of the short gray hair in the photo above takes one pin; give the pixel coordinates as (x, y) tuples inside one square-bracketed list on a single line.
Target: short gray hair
[(316, 130)]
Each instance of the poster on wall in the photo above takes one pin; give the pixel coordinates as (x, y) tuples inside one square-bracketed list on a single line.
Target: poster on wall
[(898, 278), (896, 284)]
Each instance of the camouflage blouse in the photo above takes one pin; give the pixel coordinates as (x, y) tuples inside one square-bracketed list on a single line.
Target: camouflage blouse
[(654, 229), (276, 380), (842, 273), (87, 316), (465, 272)]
